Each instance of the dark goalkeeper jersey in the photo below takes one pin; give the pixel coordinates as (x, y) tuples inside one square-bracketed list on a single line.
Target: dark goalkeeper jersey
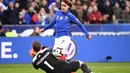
[(47, 62)]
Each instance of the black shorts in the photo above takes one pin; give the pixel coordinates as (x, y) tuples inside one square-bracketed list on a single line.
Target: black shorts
[(69, 66)]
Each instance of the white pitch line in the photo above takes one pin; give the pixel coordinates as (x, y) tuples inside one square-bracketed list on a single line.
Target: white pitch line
[(112, 67)]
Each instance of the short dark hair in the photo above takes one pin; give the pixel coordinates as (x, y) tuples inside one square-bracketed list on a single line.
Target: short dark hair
[(68, 2), (36, 46)]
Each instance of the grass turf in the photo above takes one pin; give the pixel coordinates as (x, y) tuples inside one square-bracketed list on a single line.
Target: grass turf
[(96, 67)]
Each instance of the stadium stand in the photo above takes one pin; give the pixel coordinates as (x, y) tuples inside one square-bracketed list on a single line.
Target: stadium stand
[(25, 14)]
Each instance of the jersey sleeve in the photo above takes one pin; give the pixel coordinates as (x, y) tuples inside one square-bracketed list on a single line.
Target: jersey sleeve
[(75, 20), (48, 48), (52, 23)]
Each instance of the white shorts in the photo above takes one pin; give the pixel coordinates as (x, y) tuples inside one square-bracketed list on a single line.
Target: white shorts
[(62, 43)]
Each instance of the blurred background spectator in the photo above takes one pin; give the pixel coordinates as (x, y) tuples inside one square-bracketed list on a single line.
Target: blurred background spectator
[(2, 34), (126, 15), (50, 17), (85, 14), (108, 11), (95, 16), (11, 14), (2, 5), (53, 7), (2, 16), (116, 12), (21, 18), (44, 4), (10, 33), (36, 31), (8, 1), (42, 16), (79, 10), (28, 16)]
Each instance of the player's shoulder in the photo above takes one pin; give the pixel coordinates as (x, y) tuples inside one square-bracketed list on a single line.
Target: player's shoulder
[(59, 11), (41, 51), (69, 13)]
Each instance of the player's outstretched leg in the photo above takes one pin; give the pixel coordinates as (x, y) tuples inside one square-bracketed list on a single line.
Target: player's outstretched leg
[(84, 67)]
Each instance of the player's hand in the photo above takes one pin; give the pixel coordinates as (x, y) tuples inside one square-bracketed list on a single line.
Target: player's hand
[(41, 30), (89, 37), (31, 52)]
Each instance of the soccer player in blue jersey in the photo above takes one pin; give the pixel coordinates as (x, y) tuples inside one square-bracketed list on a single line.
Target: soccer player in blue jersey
[(62, 22)]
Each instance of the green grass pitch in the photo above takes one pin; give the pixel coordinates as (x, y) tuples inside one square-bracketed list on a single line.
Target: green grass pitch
[(108, 67)]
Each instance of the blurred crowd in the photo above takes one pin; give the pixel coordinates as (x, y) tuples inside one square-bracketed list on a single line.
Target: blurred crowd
[(41, 12)]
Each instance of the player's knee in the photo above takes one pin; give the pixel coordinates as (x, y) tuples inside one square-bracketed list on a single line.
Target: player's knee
[(84, 67), (80, 63)]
